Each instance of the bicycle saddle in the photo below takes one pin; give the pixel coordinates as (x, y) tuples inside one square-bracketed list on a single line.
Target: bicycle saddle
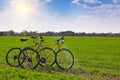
[(23, 40)]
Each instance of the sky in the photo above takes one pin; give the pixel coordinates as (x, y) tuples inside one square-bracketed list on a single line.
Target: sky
[(100, 16)]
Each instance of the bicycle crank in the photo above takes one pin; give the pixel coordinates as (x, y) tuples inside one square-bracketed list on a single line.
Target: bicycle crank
[(43, 60)]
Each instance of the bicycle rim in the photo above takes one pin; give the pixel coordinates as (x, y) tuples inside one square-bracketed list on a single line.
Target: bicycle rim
[(12, 57), (64, 59)]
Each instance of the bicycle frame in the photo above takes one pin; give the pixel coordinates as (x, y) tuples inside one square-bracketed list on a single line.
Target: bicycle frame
[(40, 45), (56, 46)]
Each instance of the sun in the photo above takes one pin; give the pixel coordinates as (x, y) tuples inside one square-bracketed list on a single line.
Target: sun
[(23, 8)]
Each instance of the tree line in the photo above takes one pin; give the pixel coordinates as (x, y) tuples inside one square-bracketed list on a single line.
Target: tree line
[(50, 33)]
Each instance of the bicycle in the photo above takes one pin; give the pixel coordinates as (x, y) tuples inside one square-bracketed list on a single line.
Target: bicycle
[(63, 57), (45, 59), (12, 55)]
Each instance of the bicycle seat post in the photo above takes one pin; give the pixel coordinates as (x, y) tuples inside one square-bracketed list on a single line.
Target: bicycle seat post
[(24, 44), (24, 40)]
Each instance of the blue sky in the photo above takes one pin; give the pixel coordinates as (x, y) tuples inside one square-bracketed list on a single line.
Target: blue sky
[(60, 15)]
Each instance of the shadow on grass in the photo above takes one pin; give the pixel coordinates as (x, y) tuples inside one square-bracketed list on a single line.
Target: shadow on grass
[(57, 69), (77, 72)]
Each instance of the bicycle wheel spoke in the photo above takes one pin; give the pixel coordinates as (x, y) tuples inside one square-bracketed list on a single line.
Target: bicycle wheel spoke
[(48, 57), (29, 58), (12, 57)]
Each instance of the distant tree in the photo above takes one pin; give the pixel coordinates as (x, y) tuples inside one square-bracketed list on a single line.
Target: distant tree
[(24, 33), (49, 33), (10, 33), (2, 33), (67, 33), (34, 33)]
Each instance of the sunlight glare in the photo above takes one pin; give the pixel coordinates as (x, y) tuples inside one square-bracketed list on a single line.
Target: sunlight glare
[(23, 9)]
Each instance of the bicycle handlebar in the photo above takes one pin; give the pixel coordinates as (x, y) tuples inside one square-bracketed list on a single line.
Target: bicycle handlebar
[(42, 40), (35, 37), (60, 39)]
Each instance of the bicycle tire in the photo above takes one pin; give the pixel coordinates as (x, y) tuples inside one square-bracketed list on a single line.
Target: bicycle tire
[(47, 57), (28, 58), (64, 58), (12, 54)]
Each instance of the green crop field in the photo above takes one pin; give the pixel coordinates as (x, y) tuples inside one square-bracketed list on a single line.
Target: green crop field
[(96, 58)]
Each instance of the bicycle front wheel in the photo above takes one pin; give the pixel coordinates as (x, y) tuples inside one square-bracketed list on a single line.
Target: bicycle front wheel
[(28, 58), (47, 56), (12, 57), (64, 59)]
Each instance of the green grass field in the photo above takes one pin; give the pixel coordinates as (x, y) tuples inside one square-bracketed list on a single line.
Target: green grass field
[(96, 58)]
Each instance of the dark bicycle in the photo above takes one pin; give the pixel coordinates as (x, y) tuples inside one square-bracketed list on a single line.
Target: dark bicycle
[(13, 53)]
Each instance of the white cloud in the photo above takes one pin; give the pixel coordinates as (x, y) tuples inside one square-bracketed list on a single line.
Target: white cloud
[(75, 1), (86, 23), (48, 0), (55, 14), (116, 1), (86, 1), (92, 1), (109, 9), (82, 23)]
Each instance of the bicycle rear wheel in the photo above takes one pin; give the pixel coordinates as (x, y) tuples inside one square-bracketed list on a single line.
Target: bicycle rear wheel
[(28, 58), (47, 56), (64, 59), (12, 57)]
